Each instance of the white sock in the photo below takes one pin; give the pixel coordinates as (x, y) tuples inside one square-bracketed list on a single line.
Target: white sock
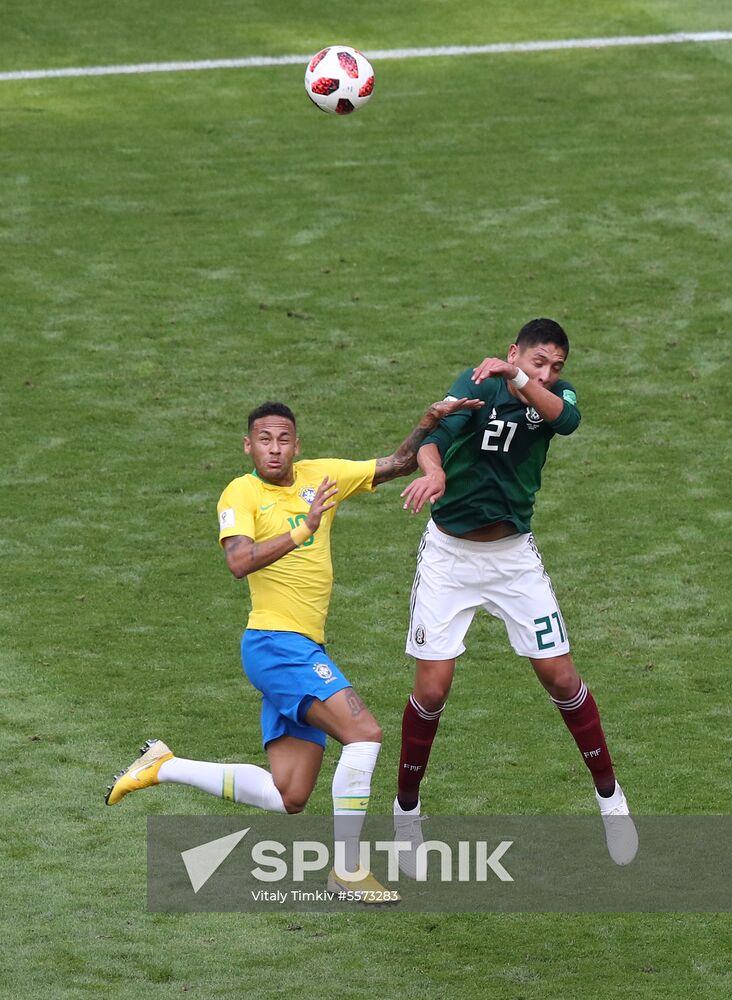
[(244, 783), (351, 791), (398, 811)]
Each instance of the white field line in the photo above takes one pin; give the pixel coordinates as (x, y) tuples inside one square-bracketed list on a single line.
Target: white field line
[(448, 50)]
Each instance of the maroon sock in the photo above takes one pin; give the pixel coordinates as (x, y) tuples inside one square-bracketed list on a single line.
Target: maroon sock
[(418, 731), (583, 721)]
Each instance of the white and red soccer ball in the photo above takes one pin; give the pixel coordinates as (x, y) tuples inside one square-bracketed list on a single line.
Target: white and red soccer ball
[(339, 79)]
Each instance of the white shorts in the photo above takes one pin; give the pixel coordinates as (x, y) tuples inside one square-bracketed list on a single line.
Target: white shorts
[(455, 577)]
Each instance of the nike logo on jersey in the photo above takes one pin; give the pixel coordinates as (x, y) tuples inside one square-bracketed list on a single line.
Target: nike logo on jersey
[(268, 505)]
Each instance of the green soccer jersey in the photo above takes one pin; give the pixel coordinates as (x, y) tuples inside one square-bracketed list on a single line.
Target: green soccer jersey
[(493, 457)]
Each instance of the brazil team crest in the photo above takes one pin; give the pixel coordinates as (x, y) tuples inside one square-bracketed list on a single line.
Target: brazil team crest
[(324, 672), (307, 493)]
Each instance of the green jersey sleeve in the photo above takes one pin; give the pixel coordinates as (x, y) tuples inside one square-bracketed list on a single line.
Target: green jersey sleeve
[(569, 419), (457, 424)]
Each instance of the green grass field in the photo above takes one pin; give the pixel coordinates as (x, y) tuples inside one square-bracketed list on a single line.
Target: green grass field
[(178, 247)]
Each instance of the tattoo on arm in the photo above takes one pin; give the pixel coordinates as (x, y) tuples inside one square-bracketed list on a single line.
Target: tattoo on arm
[(355, 704), (239, 552), (384, 470), (404, 459)]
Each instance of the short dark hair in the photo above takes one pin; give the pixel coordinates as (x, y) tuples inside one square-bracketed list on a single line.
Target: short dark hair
[(271, 409), (542, 331)]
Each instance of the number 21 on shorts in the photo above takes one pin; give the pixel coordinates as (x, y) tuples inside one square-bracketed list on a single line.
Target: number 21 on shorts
[(545, 635)]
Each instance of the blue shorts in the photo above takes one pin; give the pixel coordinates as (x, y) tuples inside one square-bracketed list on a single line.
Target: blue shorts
[(291, 671)]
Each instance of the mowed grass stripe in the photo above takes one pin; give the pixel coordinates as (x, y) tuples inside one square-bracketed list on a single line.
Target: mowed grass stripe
[(560, 44)]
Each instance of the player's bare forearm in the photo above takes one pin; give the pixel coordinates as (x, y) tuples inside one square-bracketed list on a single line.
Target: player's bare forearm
[(245, 556), (544, 402), (429, 459), (404, 459), (431, 485)]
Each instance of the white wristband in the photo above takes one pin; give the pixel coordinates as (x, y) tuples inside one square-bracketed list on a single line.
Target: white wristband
[(519, 380)]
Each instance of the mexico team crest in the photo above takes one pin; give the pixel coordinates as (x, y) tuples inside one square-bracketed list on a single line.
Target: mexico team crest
[(307, 493), (533, 419)]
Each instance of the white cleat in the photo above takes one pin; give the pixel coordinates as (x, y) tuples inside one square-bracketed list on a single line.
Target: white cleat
[(620, 832), (408, 829)]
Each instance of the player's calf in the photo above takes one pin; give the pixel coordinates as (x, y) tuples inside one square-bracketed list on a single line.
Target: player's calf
[(582, 718), (351, 791)]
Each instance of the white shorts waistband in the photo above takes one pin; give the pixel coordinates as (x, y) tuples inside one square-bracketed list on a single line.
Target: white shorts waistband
[(454, 544)]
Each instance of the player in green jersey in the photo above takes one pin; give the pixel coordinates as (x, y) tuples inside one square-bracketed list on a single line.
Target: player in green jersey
[(481, 473)]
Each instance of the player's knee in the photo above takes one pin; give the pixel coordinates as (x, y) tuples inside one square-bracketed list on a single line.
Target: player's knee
[(558, 676), (363, 729), (369, 731), (565, 684), (294, 801), (432, 697)]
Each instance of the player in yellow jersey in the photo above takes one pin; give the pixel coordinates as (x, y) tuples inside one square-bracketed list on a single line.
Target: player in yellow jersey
[(274, 527)]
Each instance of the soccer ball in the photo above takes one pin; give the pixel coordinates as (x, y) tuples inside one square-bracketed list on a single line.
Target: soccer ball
[(339, 79)]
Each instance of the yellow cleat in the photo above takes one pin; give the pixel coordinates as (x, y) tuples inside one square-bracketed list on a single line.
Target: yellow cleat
[(141, 774), (363, 890)]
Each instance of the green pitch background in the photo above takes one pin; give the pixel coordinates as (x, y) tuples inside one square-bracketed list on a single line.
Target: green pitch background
[(176, 248)]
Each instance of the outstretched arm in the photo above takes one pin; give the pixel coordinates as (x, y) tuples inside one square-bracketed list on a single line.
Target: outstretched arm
[(404, 459)]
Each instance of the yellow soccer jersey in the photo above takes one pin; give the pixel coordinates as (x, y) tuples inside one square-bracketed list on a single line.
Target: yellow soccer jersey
[(293, 593)]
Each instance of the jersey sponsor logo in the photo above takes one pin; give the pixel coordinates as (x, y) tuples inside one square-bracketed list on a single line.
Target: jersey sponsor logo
[(533, 419), (324, 672), (569, 397), (267, 506), (420, 636), (308, 493), (227, 518)]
